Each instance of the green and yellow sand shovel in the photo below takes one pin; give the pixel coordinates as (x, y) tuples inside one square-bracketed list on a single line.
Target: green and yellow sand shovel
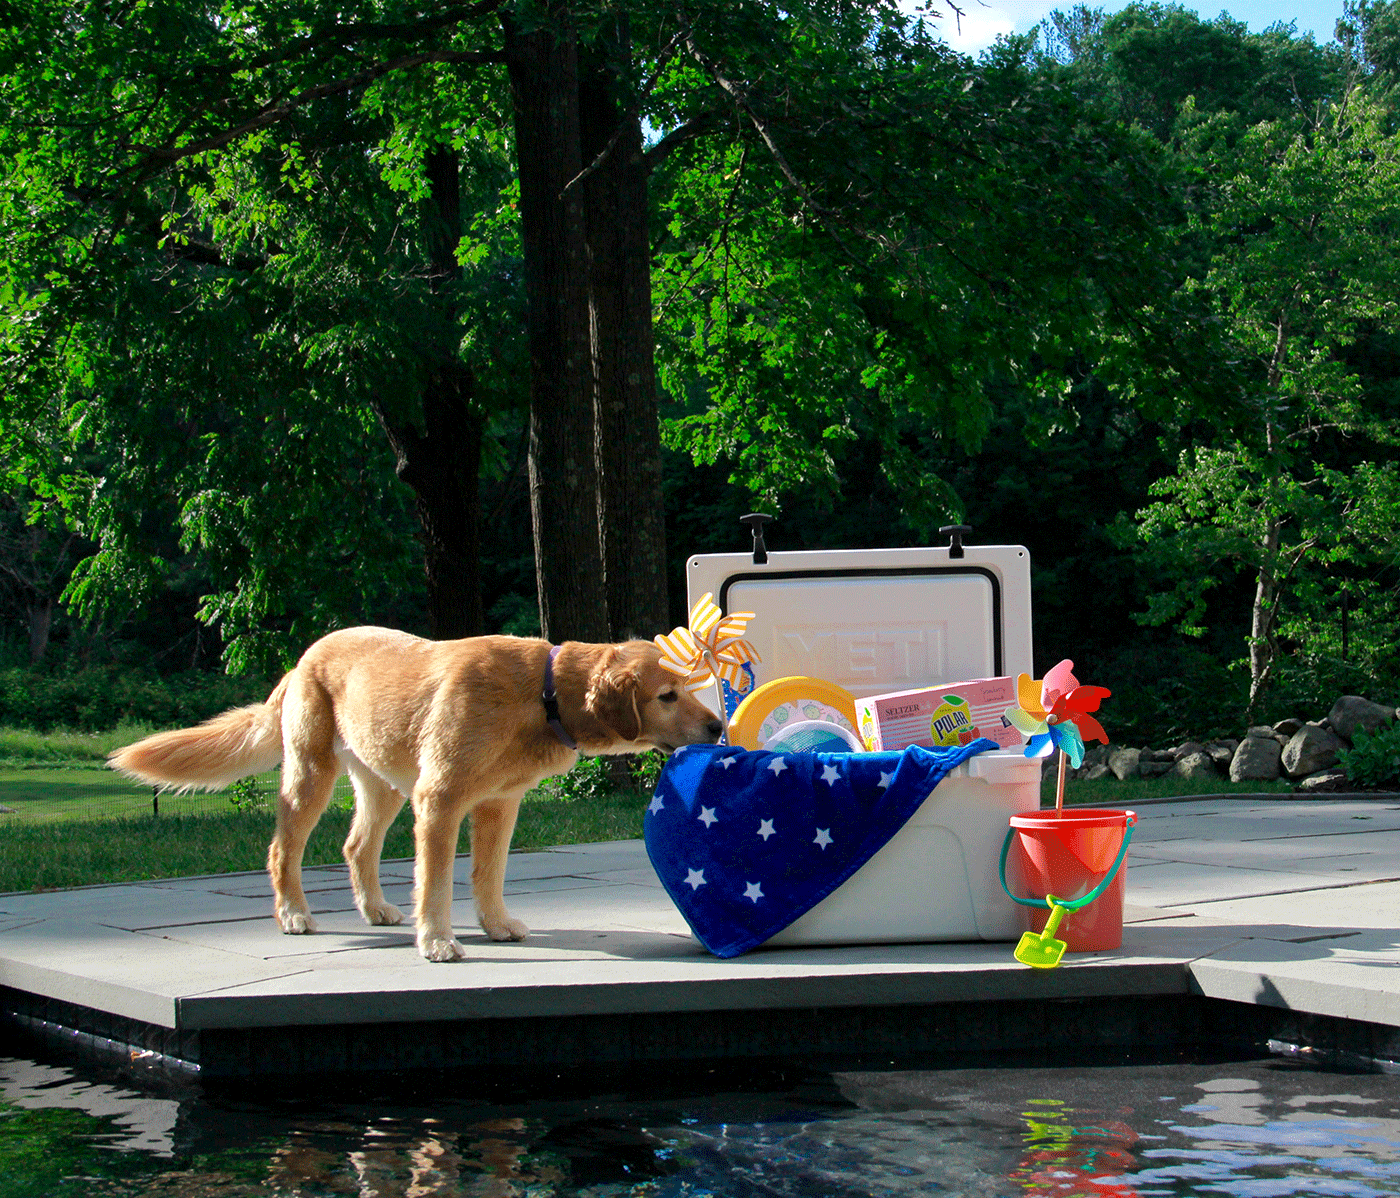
[(1041, 950)]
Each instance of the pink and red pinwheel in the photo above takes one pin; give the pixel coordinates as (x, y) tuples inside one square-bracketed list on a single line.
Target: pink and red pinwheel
[(1054, 713)]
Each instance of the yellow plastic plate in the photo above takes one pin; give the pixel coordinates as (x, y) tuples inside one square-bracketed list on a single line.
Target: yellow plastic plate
[(774, 704)]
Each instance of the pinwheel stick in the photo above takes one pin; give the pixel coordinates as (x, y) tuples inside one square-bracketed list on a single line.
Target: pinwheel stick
[(1060, 787), (710, 661)]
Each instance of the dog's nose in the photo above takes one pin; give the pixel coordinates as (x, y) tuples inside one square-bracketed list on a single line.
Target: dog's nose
[(714, 728)]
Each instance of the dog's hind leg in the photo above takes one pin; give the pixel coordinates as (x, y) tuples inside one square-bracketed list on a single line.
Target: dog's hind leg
[(376, 805), (309, 771), (493, 824), (306, 791)]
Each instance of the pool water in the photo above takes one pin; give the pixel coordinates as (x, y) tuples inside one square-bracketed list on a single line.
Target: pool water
[(1252, 1129)]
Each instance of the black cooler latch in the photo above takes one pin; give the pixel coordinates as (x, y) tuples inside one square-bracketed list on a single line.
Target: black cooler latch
[(755, 522), (956, 532)]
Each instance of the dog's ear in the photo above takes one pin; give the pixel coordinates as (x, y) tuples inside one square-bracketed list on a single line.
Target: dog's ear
[(612, 696)]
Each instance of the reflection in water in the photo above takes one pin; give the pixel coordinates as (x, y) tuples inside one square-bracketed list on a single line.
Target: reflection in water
[(1067, 1157), (1333, 1142), (1264, 1129), (137, 1123)]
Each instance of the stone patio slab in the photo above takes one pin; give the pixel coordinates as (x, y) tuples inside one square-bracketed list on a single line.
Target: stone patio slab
[(1187, 882), (1369, 905), (1252, 903), (131, 907), (129, 974), (1350, 978)]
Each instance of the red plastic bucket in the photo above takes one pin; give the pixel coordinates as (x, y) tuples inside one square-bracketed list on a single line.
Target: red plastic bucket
[(1068, 853)]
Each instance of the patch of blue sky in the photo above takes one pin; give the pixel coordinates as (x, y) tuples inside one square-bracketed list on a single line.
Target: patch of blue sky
[(982, 21)]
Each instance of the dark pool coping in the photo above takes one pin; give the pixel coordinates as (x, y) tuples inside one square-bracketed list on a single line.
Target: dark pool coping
[(948, 1034)]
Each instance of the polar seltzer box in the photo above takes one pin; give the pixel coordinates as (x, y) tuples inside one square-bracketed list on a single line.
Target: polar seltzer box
[(939, 716)]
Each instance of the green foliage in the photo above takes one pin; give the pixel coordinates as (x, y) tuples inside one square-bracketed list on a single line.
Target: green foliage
[(205, 330), (646, 769), (1165, 693), (1370, 32), (893, 287), (931, 230), (250, 794), (1294, 491), (1147, 60), (99, 699), (1373, 761), (596, 780)]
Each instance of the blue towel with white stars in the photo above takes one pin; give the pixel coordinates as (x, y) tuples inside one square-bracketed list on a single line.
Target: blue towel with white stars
[(746, 842)]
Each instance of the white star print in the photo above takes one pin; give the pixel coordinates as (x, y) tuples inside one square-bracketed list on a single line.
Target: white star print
[(707, 816), (753, 892), (777, 765), (830, 774), (695, 878), (765, 829), (656, 804), (823, 837), (727, 761), (886, 779)]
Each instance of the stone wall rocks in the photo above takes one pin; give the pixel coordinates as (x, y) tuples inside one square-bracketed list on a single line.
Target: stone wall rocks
[(1351, 713), (1255, 760), (1306, 752), (1309, 750), (1125, 763)]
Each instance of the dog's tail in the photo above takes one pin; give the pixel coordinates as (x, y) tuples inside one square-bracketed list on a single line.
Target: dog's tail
[(243, 741)]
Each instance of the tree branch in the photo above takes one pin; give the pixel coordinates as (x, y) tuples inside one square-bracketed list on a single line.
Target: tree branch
[(741, 102), (342, 35), (697, 126), (632, 113), (158, 157), (829, 218)]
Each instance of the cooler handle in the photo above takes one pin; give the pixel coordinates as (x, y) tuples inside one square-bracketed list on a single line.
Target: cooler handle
[(1068, 904)]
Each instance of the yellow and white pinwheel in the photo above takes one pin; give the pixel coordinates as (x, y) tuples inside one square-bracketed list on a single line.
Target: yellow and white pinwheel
[(712, 647)]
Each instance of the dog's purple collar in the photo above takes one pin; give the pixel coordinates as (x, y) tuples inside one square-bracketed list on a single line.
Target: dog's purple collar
[(551, 702)]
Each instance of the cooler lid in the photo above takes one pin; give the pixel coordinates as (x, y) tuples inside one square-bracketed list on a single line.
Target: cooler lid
[(878, 620)]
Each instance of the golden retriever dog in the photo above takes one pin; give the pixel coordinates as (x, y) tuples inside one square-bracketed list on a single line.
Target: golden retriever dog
[(459, 727)]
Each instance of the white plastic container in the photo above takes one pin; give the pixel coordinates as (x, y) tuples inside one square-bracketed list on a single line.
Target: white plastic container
[(936, 878), (881, 620)]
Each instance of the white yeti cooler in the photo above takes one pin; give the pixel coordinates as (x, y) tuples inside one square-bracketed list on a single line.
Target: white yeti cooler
[(875, 621)]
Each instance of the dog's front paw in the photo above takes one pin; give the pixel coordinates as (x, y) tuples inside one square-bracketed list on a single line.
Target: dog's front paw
[(442, 949), (381, 914), (505, 929), (295, 923)]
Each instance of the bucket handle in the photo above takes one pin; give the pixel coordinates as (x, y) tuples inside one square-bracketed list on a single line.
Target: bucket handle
[(1068, 904)]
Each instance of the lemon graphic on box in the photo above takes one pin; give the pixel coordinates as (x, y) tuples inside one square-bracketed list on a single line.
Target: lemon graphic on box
[(952, 722), (867, 729)]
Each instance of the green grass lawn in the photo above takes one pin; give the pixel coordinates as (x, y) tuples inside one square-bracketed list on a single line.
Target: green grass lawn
[(21, 748), (76, 793), (1109, 792), (56, 853)]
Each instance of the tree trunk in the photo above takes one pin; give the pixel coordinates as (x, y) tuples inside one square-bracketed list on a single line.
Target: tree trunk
[(543, 68), (442, 462), (627, 442), (40, 613), (1263, 612)]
